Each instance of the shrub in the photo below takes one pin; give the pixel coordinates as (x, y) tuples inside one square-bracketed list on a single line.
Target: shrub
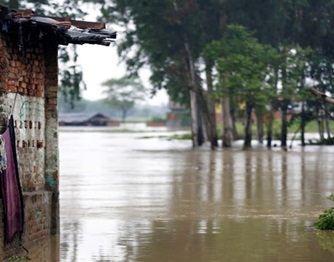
[(326, 219)]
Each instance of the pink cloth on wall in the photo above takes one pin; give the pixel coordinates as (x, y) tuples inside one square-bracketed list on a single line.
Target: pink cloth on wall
[(11, 192)]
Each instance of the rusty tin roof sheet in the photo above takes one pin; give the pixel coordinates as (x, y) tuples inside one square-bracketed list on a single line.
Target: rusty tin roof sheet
[(63, 29)]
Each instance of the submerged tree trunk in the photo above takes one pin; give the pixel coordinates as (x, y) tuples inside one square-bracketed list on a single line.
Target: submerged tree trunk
[(284, 124), (284, 108), (284, 127), (272, 109), (227, 128), (248, 126), (200, 129), (211, 106), (207, 124), (259, 126), (205, 128), (270, 122), (194, 111), (269, 137), (194, 117), (302, 125), (326, 119), (234, 120), (320, 127), (302, 133), (328, 131)]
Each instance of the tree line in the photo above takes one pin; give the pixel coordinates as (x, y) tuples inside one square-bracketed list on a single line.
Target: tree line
[(254, 57)]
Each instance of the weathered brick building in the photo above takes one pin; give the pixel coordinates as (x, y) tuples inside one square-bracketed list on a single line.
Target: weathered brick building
[(28, 90)]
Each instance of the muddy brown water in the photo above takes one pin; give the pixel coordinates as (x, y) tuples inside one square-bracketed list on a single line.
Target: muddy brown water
[(127, 198)]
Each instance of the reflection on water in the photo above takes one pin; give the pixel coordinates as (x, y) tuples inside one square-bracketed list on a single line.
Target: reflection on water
[(129, 199)]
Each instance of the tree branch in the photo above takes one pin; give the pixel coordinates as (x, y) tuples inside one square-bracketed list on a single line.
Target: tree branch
[(322, 95)]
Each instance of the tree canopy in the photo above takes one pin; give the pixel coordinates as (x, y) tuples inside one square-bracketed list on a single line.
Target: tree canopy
[(123, 93), (274, 51)]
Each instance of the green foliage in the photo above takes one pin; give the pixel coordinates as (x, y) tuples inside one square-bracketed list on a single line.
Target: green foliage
[(243, 65), (267, 51), (158, 119), (240, 126), (18, 258), (331, 197), (326, 219), (326, 240), (123, 93), (71, 76), (181, 137), (10, 3), (157, 35)]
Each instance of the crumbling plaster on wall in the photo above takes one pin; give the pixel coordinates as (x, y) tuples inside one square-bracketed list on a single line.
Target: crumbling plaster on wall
[(28, 90)]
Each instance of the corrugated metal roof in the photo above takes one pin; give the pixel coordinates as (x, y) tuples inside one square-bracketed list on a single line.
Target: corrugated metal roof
[(63, 29)]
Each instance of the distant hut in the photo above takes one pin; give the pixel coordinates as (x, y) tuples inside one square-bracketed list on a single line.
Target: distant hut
[(84, 119)]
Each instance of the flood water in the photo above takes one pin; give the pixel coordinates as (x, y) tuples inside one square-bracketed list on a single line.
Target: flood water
[(128, 198)]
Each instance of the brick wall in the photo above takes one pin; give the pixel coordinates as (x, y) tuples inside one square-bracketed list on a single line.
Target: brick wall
[(28, 89)]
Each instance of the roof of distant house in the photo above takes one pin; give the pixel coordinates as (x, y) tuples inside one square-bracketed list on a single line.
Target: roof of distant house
[(64, 29), (82, 117)]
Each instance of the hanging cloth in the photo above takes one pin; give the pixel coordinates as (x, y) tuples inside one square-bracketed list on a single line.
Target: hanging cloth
[(3, 157), (11, 192)]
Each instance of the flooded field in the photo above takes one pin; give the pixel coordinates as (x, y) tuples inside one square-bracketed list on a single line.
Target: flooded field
[(129, 198)]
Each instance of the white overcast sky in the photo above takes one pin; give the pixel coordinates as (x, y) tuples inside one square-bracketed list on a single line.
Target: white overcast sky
[(100, 63)]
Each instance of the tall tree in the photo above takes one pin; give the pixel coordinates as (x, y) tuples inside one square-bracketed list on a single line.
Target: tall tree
[(169, 36), (122, 93), (285, 25), (242, 63)]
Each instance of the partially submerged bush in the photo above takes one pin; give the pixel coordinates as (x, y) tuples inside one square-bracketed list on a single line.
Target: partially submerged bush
[(326, 219), (181, 137), (18, 258)]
